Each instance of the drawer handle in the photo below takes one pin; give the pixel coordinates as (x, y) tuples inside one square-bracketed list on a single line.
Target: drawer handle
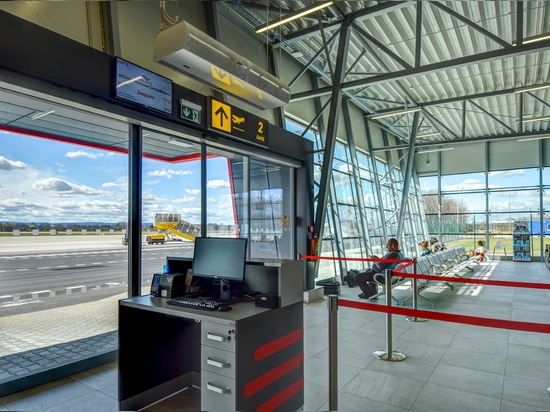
[(217, 364), (217, 338), (214, 388)]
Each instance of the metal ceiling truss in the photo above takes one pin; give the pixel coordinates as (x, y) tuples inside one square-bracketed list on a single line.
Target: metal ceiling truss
[(393, 71)]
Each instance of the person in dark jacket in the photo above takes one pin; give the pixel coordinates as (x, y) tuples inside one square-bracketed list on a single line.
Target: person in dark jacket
[(436, 245), (365, 279)]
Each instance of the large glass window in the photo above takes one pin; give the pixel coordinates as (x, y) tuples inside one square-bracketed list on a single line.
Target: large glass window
[(63, 217)]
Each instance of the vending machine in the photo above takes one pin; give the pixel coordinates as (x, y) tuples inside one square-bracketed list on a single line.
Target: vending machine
[(521, 241)]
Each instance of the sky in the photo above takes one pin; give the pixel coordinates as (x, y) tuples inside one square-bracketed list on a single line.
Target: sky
[(516, 200), (43, 180)]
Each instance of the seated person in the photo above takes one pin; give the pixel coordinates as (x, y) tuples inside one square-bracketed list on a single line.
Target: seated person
[(424, 249), (480, 251), (436, 245), (365, 279)]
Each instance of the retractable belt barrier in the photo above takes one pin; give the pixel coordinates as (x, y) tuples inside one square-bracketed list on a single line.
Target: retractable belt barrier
[(414, 314)]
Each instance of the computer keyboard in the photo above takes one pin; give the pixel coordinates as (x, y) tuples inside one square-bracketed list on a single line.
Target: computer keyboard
[(197, 303)]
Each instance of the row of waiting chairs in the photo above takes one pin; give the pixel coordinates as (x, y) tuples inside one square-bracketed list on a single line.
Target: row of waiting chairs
[(448, 262)]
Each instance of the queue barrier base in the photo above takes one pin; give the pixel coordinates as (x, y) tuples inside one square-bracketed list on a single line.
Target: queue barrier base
[(393, 356), (415, 319)]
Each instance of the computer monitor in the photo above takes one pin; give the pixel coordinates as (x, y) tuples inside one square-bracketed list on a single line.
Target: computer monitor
[(220, 258)]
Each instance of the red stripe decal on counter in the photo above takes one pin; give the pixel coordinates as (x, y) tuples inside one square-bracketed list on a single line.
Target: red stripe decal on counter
[(276, 345), (282, 396), (271, 376)]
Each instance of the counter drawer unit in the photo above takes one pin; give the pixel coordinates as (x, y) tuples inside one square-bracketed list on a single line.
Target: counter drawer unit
[(218, 336), (217, 392), (218, 361)]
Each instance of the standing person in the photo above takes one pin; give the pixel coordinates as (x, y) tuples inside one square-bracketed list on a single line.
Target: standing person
[(424, 248), (365, 279), (436, 245)]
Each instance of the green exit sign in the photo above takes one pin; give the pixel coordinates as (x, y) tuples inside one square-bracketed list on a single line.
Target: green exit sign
[(190, 111)]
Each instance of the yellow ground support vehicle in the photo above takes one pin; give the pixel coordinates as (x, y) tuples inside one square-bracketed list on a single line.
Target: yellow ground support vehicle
[(156, 238)]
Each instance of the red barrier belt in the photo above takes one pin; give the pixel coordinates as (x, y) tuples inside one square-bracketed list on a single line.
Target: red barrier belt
[(530, 285), (354, 259), (449, 317)]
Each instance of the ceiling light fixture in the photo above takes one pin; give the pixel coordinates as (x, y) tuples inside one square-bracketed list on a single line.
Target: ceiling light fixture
[(398, 113), (292, 16), (443, 149), (427, 135), (41, 114), (536, 119), (533, 138), (532, 88), (533, 39)]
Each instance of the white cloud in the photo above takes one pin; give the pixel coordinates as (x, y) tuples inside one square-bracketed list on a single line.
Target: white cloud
[(6, 164), (193, 192), (468, 184), (217, 184), (81, 153), (508, 173), (63, 188), (109, 185), (168, 173)]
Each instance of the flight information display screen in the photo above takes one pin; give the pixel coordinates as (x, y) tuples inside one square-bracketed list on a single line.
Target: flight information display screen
[(143, 87)]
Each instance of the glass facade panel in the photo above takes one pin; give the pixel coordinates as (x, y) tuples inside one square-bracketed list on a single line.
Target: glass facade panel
[(514, 178), (63, 217)]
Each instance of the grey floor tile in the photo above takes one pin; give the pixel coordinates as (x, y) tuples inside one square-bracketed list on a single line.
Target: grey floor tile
[(475, 360), (352, 403), (478, 345), (384, 388), (468, 380), (531, 370), (528, 353), (539, 340), (315, 396), (90, 402), (317, 371), (47, 396), (526, 392), (439, 398)]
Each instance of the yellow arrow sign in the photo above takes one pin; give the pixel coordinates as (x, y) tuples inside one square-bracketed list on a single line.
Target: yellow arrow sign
[(221, 116)]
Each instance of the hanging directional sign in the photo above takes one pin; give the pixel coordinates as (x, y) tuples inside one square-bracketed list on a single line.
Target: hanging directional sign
[(237, 123)]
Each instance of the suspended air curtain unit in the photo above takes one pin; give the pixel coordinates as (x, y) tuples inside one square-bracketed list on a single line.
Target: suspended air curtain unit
[(192, 52)]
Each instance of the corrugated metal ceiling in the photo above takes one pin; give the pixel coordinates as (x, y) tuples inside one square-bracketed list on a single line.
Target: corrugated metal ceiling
[(462, 63)]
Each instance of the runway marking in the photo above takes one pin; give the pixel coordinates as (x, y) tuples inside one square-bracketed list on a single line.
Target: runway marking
[(21, 270), (44, 267), (62, 266)]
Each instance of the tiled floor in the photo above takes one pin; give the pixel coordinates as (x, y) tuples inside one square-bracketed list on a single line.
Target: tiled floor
[(448, 366)]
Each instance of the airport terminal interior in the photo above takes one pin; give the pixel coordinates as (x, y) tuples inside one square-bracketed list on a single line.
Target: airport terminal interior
[(315, 131)]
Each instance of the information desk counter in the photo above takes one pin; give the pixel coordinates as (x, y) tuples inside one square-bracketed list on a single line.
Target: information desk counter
[(247, 359)]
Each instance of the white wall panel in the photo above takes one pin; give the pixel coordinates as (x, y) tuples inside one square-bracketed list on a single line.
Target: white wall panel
[(511, 154)]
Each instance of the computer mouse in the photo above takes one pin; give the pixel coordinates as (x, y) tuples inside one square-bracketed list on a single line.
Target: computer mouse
[(224, 308)]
